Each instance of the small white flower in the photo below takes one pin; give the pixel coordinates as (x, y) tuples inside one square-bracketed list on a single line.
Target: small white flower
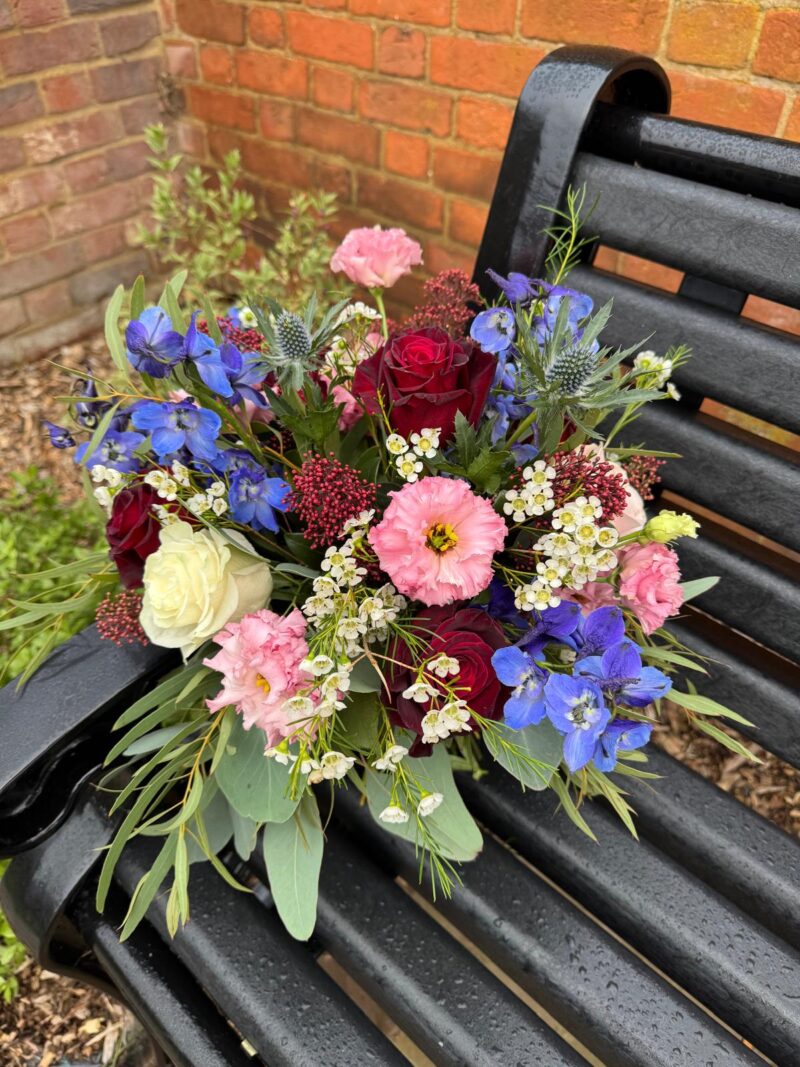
[(393, 814), (219, 506), (198, 504), (540, 474), (607, 536), (113, 477), (673, 391), (540, 501), (298, 707), (358, 309), (605, 560), (168, 490), (99, 472), (552, 572), (318, 666), (350, 629), (442, 665), (391, 757), (216, 489), (281, 754), (338, 560), (419, 692), (426, 443), (247, 317), (429, 803), (565, 519), (155, 478), (336, 682), (585, 533), (359, 523), (103, 496), (515, 505), (180, 473), (582, 573), (396, 445), (408, 467), (335, 765)]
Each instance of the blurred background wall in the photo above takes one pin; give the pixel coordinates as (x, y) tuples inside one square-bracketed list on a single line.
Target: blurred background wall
[(401, 107)]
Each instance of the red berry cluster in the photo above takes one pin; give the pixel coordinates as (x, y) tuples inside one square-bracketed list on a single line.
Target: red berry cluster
[(643, 473), (246, 340), (446, 304), (581, 473), (326, 493), (117, 618)]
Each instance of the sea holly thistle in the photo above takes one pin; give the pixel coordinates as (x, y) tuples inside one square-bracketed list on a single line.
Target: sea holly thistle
[(294, 342)]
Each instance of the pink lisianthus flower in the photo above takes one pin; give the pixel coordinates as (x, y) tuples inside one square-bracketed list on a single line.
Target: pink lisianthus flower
[(376, 258), (437, 539), (590, 596), (260, 666), (649, 586), (351, 411)]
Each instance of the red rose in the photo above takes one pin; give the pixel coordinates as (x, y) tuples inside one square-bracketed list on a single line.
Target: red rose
[(467, 634), (132, 532), (425, 377)]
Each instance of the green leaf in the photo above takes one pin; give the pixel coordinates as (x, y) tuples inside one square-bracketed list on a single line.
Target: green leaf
[(540, 750), (150, 742), (172, 307), (137, 297), (245, 832), (255, 785), (213, 326), (667, 655), (731, 743), (559, 786), (148, 885), (170, 687), (293, 855), (364, 678), (115, 346), (296, 568), (212, 827), (697, 587), (705, 706), (358, 723), (484, 471)]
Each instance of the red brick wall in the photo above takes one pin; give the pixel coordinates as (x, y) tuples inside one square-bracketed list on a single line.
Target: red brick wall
[(403, 106), (79, 81)]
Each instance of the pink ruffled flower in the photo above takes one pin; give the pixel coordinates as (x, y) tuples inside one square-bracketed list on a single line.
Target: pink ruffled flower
[(351, 411), (437, 539), (649, 583), (590, 596), (376, 258), (260, 665)]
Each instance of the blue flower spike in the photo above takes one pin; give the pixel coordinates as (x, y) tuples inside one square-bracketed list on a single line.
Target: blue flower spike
[(621, 735), (516, 669), (576, 708), (153, 346), (116, 450), (177, 426), (254, 498), (494, 329), (620, 674)]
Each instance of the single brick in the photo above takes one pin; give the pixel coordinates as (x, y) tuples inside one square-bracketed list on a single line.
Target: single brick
[(482, 66), (401, 51), (405, 154), (26, 233), (180, 59), (467, 222), (339, 136), (12, 153), (49, 302), (39, 187), (223, 109), (333, 88), (285, 165), (97, 209), (427, 12), (276, 120), (495, 17), (406, 106), (483, 123), (67, 92), (19, 103), (128, 32), (465, 172), (111, 165), (215, 20), (83, 7), (90, 286), (70, 43), (39, 268), (779, 46), (216, 64), (335, 39), (136, 114), (71, 136), (105, 243), (265, 28), (736, 104), (35, 12), (635, 24), (120, 81), (715, 34), (395, 199), (272, 74), (12, 315)]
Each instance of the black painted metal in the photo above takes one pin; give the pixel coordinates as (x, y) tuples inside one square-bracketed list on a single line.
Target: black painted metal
[(730, 353), (595, 987), (743, 685), (734, 850), (268, 985), (553, 110), (726, 470), (164, 996), (738, 969), (55, 730), (694, 227), (451, 1007)]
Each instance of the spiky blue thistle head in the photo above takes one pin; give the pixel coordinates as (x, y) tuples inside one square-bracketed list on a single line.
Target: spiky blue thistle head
[(292, 338), (571, 369)]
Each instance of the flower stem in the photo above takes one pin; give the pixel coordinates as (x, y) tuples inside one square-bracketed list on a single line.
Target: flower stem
[(378, 296)]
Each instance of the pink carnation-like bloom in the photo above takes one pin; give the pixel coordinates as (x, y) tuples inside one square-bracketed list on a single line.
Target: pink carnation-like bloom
[(376, 258), (260, 665), (437, 539), (649, 583)]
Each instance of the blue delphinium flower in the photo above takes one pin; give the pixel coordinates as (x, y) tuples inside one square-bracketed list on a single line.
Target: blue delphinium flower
[(579, 308), (244, 371), (175, 426), (576, 708), (504, 399), (597, 631), (153, 346), (620, 674), (621, 735), (88, 409), (517, 288), (201, 351), (230, 460), (526, 705), (60, 437), (254, 497), (115, 450), (551, 625), (494, 329)]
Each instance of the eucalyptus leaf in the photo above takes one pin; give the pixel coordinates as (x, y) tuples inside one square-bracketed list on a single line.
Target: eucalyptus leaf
[(705, 706), (152, 741), (364, 678), (697, 587), (541, 747), (111, 329), (245, 833), (293, 855), (255, 785), (358, 723), (217, 825)]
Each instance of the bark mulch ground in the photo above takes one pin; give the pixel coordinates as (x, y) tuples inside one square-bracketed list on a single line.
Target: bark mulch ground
[(53, 1018)]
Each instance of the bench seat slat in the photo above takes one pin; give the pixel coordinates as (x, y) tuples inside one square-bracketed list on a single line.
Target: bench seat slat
[(450, 1006), (596, 988), (694, 227), (731, 848), (268, 985), (727, 350), (711, 948), (755, 599), (725, 473)]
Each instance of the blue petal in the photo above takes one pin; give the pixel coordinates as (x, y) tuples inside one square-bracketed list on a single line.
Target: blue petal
[(579, 746), (510, 665), (524, 710), (652, 685), (166, 439), (213, 374), (622, 661)]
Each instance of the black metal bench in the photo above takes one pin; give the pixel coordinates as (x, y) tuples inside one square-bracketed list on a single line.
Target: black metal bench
[(680, 949)]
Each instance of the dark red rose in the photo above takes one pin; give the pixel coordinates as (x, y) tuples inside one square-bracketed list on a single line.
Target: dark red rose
[(467, 634), (132, 532), (425, 377)]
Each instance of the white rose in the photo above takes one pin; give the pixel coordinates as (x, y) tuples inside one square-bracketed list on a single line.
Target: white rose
[(196, 582)]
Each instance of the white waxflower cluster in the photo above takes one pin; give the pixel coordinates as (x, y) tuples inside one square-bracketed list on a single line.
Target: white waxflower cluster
[(427, 805), (447, 714), (409, 454), (104, 494), (536, 495), (649, 363), (357, 310), (575, 552), (358, 525), (331, 766), (213, 499), (390, 759)]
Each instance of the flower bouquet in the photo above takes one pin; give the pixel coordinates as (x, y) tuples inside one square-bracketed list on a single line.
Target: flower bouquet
[(386, 553)]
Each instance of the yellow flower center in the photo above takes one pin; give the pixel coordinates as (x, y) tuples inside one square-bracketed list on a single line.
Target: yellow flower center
[(262, 683), (441, 537)]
